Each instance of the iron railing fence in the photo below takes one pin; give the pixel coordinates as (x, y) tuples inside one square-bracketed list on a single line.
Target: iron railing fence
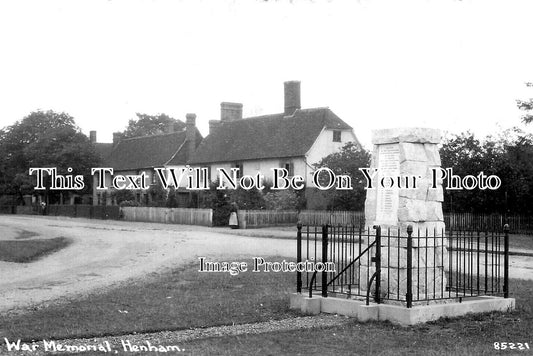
[(410, 267)]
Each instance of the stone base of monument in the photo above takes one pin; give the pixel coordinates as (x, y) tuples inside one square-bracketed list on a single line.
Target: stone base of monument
[(399, 314)]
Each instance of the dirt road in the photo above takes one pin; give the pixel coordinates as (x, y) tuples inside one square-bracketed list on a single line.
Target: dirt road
[(104, 253)]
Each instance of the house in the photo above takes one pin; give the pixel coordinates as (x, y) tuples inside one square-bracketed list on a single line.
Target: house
[(295, 139), (133, 156)]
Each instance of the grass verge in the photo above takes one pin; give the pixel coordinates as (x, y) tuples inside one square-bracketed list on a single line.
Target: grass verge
[(30, 250), (521, 242), (184, 298), (178, 299), (25, 234), (468, 335)]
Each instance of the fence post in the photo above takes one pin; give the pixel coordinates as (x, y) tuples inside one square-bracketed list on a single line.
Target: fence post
[(324, 260), (299, 257), (378, 263), (506, 262), (409, 294)]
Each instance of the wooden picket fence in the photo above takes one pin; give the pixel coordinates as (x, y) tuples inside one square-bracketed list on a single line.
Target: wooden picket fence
[(321, 217), (203, 217), (262, 218)]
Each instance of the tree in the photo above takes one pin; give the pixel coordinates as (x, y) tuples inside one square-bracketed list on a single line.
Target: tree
[(151, 125), (287, 199), (527, 106), (347, 161), (509, 156), (466, 155), (43, 139)]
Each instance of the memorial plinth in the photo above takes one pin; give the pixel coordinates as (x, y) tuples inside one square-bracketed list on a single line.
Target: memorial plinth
[(403, 195)]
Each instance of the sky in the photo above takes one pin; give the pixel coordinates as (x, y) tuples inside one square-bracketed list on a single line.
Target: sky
[(452, 65)]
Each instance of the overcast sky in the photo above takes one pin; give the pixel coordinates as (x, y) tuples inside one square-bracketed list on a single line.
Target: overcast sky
[(454, 65)]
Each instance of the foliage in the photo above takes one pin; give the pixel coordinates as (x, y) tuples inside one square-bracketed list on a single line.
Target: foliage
[(151, 125), (347, 161), (158, 195), (129, 203), (508, 156), (527, 106), (172, 200), (43, 139), (219, 201), (124, 197), (247, 199), (287, 199)]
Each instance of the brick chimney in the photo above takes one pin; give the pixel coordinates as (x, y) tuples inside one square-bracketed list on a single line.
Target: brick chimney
[(214, 125), (230, 111), (292, 97), (190, 134), (116, 138), (92, 136)]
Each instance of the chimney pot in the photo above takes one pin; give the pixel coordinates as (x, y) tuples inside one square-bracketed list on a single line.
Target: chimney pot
[(230, 111), (92, 136), (292, 97)]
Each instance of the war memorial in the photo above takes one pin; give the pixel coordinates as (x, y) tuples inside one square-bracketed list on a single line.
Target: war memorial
[(404, 266)]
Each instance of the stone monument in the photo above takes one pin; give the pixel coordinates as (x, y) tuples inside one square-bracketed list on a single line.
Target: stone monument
[(406, 157)]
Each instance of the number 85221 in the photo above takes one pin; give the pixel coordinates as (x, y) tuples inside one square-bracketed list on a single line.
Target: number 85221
[(511, 346)]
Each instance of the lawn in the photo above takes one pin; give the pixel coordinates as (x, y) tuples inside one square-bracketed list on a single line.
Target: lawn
[(30, 250), (178, 299), (469, 335), (521, 242), (183, 299)]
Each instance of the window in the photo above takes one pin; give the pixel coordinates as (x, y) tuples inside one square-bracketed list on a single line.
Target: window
[(209, 178), (289, 166), (205, 176), (240, 167), (336, 136)]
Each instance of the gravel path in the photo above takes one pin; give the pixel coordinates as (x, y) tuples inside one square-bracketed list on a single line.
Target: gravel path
[(175, 338)]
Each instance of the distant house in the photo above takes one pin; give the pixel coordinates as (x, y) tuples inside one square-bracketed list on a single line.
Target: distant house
[(295, 139), (133, 156)]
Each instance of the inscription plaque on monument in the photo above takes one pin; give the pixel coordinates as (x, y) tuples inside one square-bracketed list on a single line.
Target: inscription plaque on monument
[(387, 198)]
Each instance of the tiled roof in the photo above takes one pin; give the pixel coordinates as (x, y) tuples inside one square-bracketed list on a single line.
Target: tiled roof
[(269, 136), (150, 151)]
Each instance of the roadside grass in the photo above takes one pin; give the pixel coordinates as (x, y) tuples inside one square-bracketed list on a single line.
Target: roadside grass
[(179, 299), (468, 335), (521, 242), (25, 234), (30, 250), (184, 298)]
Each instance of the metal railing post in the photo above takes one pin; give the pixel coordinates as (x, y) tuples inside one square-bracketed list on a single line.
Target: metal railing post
[(378, 263), (506, 262), (299, 257), (409, 294), (325, 260)]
